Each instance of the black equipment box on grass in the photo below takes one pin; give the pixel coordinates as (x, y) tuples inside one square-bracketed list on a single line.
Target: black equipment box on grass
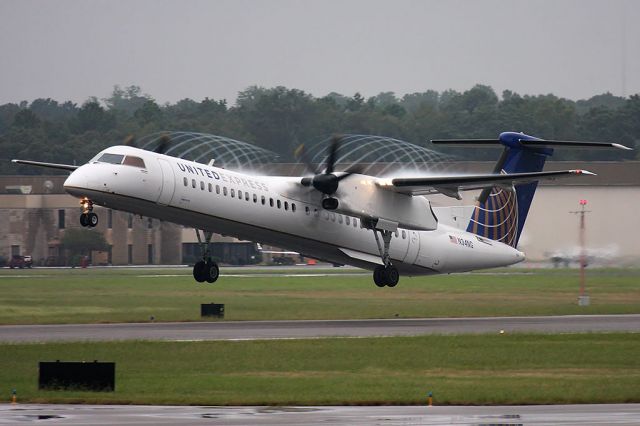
[(212, 310), (92, 376)]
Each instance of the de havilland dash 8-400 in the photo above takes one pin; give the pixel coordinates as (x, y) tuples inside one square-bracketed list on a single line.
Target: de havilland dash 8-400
[(383, 224)]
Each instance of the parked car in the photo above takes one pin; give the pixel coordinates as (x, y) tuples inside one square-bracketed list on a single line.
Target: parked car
[(18, 261)]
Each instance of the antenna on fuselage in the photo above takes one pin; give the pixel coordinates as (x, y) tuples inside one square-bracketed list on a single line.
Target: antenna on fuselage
[(210, 163)]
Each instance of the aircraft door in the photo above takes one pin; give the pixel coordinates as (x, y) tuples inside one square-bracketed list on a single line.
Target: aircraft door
[(168, 183), (413, 246), (430, 255)]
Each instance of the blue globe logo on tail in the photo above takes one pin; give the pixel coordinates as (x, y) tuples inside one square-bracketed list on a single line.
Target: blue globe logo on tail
[(497, 217)]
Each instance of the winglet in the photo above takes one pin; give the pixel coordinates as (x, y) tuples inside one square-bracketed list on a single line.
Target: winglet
[(583, 172), (619, 146)]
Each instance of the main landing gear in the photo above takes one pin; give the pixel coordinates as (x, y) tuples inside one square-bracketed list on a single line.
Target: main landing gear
[(205, 269), (88, 218), (386, 274)]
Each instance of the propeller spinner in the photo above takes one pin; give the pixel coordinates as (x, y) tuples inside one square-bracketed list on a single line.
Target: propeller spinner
[(326, 182)]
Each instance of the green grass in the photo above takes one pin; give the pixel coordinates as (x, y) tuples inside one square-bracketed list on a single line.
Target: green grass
[(485, 369), (133, 295)]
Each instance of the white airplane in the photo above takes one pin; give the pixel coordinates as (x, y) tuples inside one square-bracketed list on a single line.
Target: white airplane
[(382, 224)]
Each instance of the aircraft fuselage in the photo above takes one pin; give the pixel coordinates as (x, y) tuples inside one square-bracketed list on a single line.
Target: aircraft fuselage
[(272, 210)]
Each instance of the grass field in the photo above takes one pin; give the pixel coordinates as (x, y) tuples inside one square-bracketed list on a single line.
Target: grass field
[(488, 369), (135, 295)]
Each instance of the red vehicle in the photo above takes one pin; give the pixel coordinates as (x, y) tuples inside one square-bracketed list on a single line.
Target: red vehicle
[(21, 262)]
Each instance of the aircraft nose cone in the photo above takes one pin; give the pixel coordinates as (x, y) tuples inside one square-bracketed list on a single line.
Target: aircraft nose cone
[(77, 181)]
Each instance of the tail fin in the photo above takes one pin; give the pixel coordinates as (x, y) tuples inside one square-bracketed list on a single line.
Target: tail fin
[(501, 212)]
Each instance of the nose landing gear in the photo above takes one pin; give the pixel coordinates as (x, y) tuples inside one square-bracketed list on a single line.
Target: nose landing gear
[(88, 217), (205, 269)]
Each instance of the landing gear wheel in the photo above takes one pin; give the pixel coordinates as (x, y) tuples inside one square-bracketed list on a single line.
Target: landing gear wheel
[(84, 219), (199, 271), (211, 271), (391, 276), (378, 276), (92, 220)]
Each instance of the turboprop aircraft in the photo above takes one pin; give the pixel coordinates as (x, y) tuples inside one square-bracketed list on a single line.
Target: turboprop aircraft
[(383, 224)]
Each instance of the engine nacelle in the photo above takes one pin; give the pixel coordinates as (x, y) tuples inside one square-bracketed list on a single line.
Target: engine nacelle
[(360, 196)]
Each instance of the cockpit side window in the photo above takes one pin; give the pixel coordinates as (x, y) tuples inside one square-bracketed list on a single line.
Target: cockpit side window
[(110, 158), (130, 160)]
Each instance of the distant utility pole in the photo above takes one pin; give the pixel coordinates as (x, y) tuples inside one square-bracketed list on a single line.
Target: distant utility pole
[(583, 298)]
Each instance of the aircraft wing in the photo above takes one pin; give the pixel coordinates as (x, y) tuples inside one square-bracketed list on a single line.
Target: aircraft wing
[(452, 185), (49, 165)]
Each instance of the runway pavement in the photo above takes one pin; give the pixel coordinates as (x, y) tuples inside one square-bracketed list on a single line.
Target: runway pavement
[(252, 330), (619, 414)]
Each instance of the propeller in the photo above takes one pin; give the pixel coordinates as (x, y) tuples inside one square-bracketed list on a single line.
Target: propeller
[(326, 182), (130, 141)]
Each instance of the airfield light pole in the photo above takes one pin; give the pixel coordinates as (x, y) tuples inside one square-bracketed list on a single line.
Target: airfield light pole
[(583, 298)]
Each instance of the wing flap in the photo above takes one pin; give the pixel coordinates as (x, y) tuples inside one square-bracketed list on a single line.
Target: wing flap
[(362, 256)]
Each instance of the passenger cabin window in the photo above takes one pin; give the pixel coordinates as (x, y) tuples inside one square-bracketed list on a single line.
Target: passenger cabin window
[(130, 160), (111, 158)]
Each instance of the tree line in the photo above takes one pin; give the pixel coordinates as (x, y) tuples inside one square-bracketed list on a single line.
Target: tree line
[(279, 119)]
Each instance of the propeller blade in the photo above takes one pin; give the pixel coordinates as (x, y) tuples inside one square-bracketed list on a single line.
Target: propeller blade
[(333, 153), (301, 154), (164, 143), (130, 141)]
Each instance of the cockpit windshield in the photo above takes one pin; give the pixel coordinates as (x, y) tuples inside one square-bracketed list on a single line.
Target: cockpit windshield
[(110, 158), (128, 160)]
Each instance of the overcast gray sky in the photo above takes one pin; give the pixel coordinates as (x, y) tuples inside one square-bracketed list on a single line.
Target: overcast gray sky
[(73, 49)]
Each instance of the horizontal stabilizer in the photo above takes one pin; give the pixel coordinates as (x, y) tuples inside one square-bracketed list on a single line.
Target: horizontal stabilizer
[(527, 141), (572, 144), (48, 165)]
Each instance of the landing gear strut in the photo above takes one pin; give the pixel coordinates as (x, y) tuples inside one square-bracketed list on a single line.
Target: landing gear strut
[(88, 217), (205, 269), (386, 274)]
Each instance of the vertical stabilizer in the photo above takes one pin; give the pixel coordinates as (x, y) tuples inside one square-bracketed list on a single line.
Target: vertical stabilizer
[(501, 211)]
